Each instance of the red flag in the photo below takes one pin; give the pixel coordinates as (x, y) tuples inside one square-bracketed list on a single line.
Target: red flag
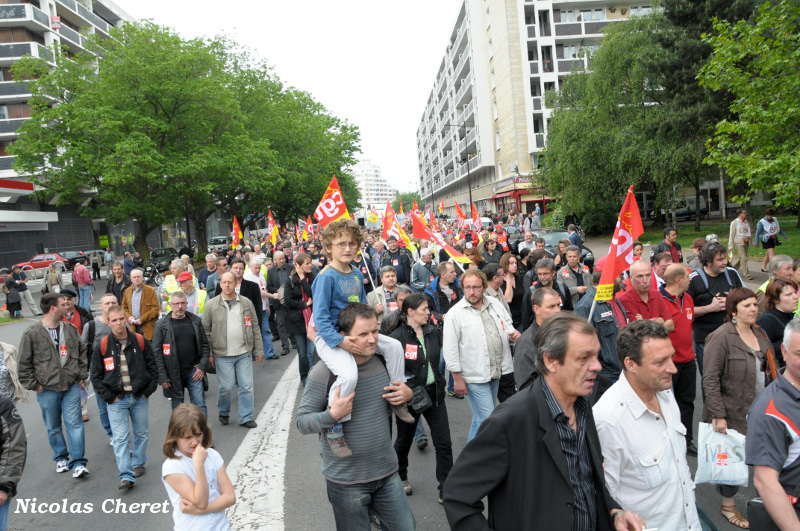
[(476, 219), (332, 207), (422, 232), (388, 219), (415, 208), (237, 233), (441, 205), (401, 207), (433, 223), (620, 255), (272, 228)]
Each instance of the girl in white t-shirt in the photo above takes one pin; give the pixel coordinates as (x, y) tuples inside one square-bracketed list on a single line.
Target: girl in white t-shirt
[(194, 474)]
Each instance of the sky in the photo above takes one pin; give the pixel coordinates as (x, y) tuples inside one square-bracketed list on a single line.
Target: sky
[(370, 62)]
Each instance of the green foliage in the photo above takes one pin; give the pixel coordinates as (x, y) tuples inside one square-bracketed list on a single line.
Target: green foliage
[(408, 202), (759, 63), (555, 216), (601, 220)]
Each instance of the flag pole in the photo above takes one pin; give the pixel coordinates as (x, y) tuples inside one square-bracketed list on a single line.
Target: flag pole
[(368, 273), (591, 312)]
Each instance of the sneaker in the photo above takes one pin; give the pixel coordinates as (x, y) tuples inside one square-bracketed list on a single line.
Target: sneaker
[(223, 419), (80, 471), (249, 424), (337, 443), (111, 441), (441, 501), (61, 466), (407, 487), (139, 471), (422, 444), (452, 392), (126, 484), (402, 413)]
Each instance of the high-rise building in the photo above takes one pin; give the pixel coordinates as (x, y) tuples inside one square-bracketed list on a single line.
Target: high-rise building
[(32, 27), (375, 191), (485, 121)]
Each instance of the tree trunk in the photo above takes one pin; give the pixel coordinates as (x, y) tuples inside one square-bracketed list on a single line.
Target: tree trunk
[(140, 243), (697, 207), (200, 236)]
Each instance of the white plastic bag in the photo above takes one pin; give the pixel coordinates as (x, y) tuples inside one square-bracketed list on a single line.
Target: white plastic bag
[(720, 459)]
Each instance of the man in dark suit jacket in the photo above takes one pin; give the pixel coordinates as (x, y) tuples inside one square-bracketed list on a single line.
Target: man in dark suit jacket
[(276, 277), (245, 288), (518, 457)]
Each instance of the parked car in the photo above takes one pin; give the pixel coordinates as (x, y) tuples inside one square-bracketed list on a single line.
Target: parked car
[(73, 257), (219, 243), (162, 256), (101, 253), (40, 262), (514, 237), (685, 209), (553, 236)]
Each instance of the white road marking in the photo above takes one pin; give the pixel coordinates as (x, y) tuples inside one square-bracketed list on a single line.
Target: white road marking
[(257, 468)]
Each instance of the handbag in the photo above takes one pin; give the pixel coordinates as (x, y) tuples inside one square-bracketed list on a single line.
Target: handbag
[(721, 457), (760, 519), (420, 401)]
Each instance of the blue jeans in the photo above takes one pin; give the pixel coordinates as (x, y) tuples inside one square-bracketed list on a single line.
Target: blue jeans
[(195, 387), (352, 504), (450, 384), (481, 397), (102, 407), (305, 355), (85, 298), (420, 432), (4, 514), (242, 367), (65, 405), (266, 336), (124, 413)]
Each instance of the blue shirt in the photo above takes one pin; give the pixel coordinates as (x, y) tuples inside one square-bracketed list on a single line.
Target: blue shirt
[(332, 291), (575, 238)]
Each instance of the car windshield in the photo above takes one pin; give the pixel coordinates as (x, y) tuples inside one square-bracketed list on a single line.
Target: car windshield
[(216, 241), (551, 239), (163, 253)]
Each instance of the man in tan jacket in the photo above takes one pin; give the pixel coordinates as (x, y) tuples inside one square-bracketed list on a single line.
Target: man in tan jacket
[(140, 303)]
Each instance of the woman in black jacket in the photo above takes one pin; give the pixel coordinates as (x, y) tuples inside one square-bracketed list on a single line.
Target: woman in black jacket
[(781, 303), (297, 297), (422, 343)]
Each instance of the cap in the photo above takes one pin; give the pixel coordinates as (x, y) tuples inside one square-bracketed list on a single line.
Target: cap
[(185, 276), (600, 264), (699, 243), (69, 293)]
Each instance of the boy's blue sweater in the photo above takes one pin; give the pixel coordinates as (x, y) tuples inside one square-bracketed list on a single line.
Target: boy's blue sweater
[(332, 291)]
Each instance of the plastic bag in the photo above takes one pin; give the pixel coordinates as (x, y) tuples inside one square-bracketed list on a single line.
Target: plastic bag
[(720, 459)]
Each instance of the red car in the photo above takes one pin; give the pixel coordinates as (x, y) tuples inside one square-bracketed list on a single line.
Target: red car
[(41, 262)]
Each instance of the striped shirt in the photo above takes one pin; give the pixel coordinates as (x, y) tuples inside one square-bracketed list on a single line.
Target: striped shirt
[(125, 375), (579, 465), (368, 433)]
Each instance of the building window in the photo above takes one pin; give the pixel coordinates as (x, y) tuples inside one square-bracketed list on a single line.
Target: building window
[(492, 76), (488, 19), (494, 108), (640, 11), (568, 16), (497, 140), (491, 52), (499, 170)]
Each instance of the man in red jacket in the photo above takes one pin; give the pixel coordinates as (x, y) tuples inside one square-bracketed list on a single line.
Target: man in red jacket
[(83, 279)]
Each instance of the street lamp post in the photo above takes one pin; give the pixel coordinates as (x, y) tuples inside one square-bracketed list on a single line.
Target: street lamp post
[(469, 176)]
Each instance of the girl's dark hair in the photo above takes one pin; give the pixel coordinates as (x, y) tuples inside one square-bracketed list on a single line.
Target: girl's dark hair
[(412, 302), (186, 418)]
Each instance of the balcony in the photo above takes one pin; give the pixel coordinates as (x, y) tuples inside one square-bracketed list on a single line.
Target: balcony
[(461, 62), (534, 67), (14, 88), (24, 15), (463, 89), (537, 103), (472, 135), (71, 35), (6, 162), (570, 65), (564, 29), (12, 52), (532, 31), (590, 27), (539, 140), (86, 16), (9, 127)]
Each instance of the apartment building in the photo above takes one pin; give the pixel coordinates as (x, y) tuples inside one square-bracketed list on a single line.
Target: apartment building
[(375, 190), (33, 27), (485, 122)]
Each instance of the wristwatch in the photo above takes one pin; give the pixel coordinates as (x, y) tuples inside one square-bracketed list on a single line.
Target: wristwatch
[(615, 514)]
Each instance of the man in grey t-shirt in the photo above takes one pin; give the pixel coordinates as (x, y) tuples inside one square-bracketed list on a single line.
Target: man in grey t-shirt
[(369, 476)]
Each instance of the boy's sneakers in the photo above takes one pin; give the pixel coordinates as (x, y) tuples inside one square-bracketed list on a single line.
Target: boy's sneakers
[(61, 466), (80, 471), (402, 413), (335, 436)]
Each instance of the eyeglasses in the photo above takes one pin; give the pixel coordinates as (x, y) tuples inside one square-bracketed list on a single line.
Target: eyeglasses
[(346, 245)]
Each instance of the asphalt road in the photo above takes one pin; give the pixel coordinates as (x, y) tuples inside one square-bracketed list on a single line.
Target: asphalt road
[(303, 497)]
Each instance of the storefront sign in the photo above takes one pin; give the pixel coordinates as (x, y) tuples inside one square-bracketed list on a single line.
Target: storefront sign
[(104, 241)]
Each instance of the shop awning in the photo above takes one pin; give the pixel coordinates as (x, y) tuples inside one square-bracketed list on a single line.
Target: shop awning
[(504, 194)]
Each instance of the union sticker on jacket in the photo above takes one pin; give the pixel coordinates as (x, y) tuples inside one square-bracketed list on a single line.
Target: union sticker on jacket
[(247, 321), (165, 347), (109, 363), (411, 352)]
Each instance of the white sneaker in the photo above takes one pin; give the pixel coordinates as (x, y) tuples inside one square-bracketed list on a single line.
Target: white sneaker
[(111, 441), (61, 466), (80, 471)]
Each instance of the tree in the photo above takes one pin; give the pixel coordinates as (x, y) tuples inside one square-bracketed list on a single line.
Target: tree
[(759, 64), (137, 121), (408, 199)]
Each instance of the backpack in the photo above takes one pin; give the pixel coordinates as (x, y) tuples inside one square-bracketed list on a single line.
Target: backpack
[(704, 278), (104, 343)]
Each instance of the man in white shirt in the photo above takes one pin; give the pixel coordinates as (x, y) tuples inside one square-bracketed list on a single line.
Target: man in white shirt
[(528, 243), (255, 274), (641, 435), (739, 239)]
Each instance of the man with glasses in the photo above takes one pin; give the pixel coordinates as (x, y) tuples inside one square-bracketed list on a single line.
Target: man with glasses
[(660, 264)]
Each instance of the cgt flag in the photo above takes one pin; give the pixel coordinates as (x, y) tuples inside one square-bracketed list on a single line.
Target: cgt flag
[(422, 232), (272, 229), (620, 255), (441, 205), (237, 233), (476, 220), (332, 207)]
